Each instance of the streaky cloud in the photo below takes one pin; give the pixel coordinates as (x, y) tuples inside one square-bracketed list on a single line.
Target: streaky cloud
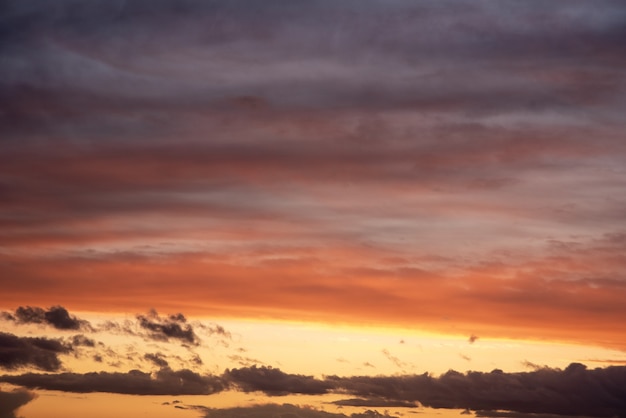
[(164, 382), (274, 382)]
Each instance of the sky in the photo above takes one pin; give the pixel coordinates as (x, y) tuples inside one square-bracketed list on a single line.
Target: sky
[(312, 209)]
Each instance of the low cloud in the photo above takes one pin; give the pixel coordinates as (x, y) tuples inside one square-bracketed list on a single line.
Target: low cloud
[(275, 382), (271, 411), (41, 353), (81, 340), (11, 401), (164, 382), (575, 390), (375, 402), (56, 316), (157, 359), (164, 328)]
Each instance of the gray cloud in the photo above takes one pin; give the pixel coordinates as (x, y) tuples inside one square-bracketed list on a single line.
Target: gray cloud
[(373, 402), (164, 328), (157, 358), (575, 390), (56, 316), (41, 353), (11, 401), (271, 411), (164, 382), (274, 382)]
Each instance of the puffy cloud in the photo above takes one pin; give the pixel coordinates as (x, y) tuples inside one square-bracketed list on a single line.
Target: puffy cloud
[(41, 353), (164, 328), (375, 402), (56, 316), (81, 340), (164, 382), (271, 411), (575, 390), (157, 358), (11, 401), (274, 382)]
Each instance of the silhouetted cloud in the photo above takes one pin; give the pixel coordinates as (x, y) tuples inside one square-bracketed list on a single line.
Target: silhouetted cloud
[(575, 390), (56, 316), (81, 340), (271, 411), (157, 358), (374, 402), (11, 401), (164, 382), (164, 328), (274, 382), (41, 353)]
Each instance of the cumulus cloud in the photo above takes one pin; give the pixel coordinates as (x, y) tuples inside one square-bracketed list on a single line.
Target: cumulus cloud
[(274, 382), (81, 340), (56, 316), (271, 411), (575, 390), (375, 402), (163, 382), (11, 401), (157, 359), (41, 353), (164, 328)]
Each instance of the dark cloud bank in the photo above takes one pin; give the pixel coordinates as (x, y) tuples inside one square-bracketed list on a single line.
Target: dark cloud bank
[(575, 391)]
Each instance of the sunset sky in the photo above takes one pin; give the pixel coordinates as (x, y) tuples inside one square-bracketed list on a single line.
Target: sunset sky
[(312, 208)]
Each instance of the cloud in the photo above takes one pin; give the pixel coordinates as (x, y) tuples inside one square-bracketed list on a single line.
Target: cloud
[(259, 129), (374, 402), (41, 353), (575, 390), (164, 328), (271, 411), (282, 411), (56, 316), (81, 340), (274, 382), (11, 401), (157, 358), (163, 382)]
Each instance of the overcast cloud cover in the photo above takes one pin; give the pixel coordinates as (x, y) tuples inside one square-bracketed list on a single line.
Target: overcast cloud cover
[(441, 164)]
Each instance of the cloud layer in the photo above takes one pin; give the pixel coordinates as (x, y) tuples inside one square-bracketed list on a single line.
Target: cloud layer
[(574, 391), (315, 159)]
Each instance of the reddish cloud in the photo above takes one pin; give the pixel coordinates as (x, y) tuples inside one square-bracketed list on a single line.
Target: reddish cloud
[(407, 163)]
